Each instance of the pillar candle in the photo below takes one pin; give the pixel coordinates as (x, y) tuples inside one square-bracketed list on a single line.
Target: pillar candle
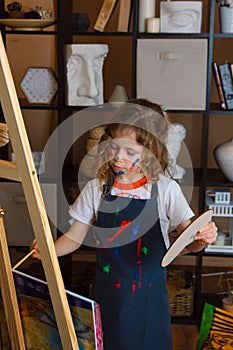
[(146, 10), (153, 25)]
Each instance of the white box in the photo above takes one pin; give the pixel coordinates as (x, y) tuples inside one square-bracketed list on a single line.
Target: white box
[(173, 72), (180, 16), (17, 222)]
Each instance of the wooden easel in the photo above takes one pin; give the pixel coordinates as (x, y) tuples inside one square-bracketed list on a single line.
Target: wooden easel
[(25, 172)]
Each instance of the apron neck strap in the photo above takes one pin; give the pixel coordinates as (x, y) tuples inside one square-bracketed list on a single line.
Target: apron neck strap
[(107, 187)]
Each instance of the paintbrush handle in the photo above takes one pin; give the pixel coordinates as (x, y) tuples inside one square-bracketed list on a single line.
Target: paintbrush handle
[(23, 259)]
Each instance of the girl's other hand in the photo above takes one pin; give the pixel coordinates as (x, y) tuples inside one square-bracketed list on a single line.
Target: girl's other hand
[(34, 246), (207, 234)]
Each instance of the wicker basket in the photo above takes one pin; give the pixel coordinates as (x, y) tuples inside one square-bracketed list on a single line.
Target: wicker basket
[(4, 335), (182, 303), (181, 292)]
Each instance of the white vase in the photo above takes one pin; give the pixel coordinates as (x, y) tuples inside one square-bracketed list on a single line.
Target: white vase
[(226, 19), (146, 10), (224, 157), (119, 94)]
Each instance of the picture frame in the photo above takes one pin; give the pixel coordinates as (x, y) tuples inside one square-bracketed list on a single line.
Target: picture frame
[(39, 85)]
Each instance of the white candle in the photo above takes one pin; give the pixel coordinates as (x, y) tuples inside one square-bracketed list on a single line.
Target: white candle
[(220, 239), (146, 10), (153, 25)]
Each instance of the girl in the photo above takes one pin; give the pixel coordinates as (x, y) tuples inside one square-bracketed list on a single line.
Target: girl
[(131, 207)]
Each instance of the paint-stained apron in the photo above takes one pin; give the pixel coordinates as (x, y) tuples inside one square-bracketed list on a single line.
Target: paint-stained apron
[(130, 282)]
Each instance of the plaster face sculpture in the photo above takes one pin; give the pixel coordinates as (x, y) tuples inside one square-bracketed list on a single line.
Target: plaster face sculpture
[(181, 17), (84, 64), (176, 134)]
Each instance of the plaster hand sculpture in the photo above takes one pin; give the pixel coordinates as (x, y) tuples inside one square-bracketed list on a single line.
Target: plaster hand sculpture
[(176, 134), (84, 64)]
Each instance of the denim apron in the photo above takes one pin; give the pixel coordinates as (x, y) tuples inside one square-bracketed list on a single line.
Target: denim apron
[(130, 283)]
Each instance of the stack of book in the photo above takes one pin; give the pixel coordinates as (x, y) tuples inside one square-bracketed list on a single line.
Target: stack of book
[(106, 11), (223, 74)]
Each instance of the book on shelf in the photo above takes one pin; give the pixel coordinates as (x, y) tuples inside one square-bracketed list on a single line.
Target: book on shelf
[(124, 15), (219, 86), (231, 65), (104, 15), (227, 83)]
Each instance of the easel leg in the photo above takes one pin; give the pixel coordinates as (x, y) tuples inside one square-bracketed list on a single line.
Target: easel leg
[(35, 203), (9, 297)]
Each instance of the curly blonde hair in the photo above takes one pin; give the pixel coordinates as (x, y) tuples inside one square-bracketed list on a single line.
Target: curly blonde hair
[(150, 123)]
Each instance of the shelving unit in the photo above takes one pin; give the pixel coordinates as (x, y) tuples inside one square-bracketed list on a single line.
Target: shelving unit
[(31, 49), (205, 174)]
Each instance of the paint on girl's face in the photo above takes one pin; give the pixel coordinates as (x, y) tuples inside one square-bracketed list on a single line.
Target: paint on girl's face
[(117, 158), (120, 172), (133, 164), (125, 142)]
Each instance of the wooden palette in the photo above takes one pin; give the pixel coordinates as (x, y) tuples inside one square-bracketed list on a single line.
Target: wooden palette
[(186, 237)]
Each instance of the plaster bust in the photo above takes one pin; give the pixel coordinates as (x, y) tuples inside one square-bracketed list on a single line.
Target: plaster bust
[(84, 63), (176, 134)]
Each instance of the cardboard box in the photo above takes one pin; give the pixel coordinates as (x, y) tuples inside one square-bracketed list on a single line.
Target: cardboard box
[(173, 72)]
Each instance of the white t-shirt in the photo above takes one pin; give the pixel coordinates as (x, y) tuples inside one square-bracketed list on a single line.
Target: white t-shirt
[(172, 205)]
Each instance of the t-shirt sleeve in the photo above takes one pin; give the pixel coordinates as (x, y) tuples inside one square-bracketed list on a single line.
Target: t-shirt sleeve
[(178, 207), (86, 205)]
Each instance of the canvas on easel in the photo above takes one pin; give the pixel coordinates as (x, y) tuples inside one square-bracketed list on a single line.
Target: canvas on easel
[(39, 322)]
